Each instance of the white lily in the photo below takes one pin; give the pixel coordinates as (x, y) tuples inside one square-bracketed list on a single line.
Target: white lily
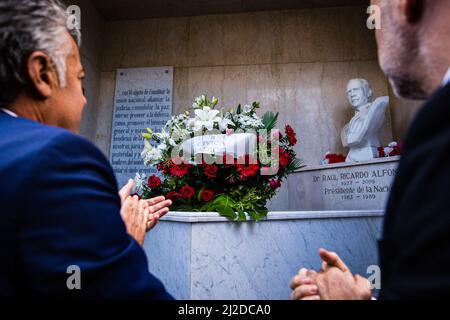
[(151, 155), (206, 118), (247, 109), (223, 124), (162, 146)]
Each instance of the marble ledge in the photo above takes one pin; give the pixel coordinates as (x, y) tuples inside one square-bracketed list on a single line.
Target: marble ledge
[(202, 217), (348, 164)]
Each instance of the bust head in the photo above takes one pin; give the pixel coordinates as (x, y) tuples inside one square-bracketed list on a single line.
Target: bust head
[(359, 92)]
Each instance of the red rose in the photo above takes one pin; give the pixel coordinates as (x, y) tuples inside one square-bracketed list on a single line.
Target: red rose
[(285, 158), (275, 184), (154, 182), (210, 170), (291, 135), (179, 170), (207, 195), (172, 195), (187, 192)]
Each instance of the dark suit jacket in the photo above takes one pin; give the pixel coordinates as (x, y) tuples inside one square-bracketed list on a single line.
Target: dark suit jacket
[(59, 207), (415, 250)]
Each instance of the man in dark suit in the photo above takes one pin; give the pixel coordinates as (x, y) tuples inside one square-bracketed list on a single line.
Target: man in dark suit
[(61, 229), (414, 52)]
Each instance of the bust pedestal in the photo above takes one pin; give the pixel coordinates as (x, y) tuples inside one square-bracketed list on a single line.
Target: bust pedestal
[(204, 256)]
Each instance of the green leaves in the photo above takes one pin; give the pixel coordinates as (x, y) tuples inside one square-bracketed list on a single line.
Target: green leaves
[(224, 205), (234, 210), (270, 120), (295, 165)]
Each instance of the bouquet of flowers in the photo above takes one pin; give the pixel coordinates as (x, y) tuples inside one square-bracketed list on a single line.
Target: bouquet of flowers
[(230, 162), (331, 158), (392, 150)]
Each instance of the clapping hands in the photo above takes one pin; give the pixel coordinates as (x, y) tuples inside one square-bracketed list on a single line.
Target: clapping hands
[(333, 282), (140, 216)]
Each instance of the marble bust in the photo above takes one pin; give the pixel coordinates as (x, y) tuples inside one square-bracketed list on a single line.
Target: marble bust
[(362, 133)]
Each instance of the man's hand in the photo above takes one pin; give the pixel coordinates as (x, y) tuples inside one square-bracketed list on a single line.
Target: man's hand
[(304, 286), (135, 213), (126, 190), (335, 282), (158, 207)]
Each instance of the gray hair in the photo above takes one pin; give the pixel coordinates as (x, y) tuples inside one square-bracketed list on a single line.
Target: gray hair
[(366, 86), (27, 26)]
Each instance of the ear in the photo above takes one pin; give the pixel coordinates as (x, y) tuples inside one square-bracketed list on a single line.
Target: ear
[(42, 74), (411, 10)]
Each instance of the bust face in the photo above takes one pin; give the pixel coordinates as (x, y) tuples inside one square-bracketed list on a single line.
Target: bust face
[(356, 94)]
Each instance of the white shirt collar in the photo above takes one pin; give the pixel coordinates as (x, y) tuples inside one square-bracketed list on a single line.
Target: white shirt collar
[(12, 114), (447, 78)]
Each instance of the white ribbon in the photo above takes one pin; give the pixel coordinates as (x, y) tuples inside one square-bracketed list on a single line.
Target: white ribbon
[(238, 144)]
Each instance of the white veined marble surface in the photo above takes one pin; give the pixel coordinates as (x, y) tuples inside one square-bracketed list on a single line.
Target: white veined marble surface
[(203, 256)]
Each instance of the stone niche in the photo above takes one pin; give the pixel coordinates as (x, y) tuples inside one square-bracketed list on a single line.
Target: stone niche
[(296, 62)]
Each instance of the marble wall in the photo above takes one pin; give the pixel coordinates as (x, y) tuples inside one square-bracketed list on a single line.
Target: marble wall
[(297, 62), (294, 61), (91, 50)]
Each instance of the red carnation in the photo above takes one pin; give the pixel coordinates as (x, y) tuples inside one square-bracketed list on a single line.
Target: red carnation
[(154, 182), (207, 195), (210, 170), (187, 192), (275, 184), (335, 158), (395, 151), (162, 166), (285, 157), (291, 135), (179, 170), (247, 171), (381, 153)]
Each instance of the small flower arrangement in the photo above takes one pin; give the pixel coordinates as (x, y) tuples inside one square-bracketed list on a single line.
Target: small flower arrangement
[(392, 150), (230, 162), (331, 158)]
